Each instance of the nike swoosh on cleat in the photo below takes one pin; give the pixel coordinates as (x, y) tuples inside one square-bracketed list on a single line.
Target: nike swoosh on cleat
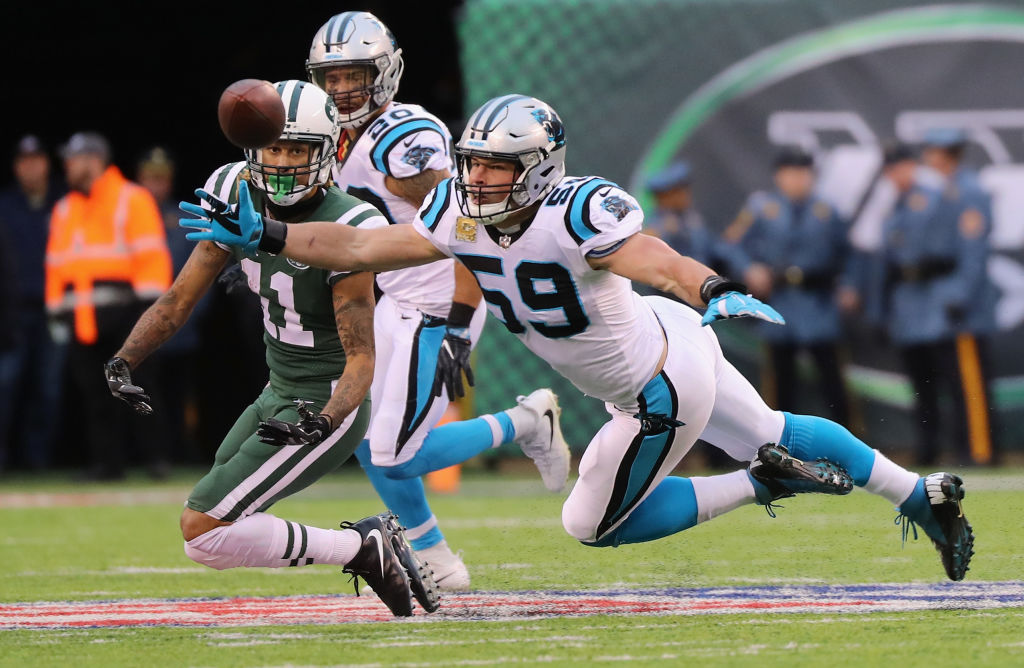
[(380, 547), (551, 423)]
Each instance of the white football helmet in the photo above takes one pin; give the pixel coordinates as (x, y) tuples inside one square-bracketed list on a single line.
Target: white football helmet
[(518, 129), (310, 116), (357, 38)]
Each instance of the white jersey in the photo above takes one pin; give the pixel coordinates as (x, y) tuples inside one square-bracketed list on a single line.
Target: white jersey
[(403, 141), (587, 324)]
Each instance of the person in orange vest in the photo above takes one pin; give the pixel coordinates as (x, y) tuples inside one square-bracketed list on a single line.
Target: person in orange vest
[(106, 261)]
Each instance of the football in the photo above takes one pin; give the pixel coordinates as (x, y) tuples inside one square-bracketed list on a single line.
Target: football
[(251, 113)]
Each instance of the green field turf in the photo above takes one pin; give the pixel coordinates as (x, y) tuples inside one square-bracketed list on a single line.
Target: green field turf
[(509, 530)]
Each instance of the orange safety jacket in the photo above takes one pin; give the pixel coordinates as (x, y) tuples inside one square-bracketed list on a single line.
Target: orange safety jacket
[(115, 235)]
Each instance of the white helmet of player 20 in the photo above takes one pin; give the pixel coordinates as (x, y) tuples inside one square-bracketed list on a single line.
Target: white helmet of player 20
[(515, 128), (357, 38), (310, 116)]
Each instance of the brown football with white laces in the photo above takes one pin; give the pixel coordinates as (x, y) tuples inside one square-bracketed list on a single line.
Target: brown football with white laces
[(251, 113)]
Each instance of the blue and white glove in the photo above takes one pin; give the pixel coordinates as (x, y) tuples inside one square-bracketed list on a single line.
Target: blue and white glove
[(725, 299), (233, 225), (739, 305)]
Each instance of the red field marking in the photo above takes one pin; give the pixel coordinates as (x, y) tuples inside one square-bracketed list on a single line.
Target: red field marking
[(339, 609)]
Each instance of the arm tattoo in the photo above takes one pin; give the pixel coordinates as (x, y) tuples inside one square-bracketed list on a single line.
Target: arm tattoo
[(353, 313), (157, 324), (355, 325), (161, 320)]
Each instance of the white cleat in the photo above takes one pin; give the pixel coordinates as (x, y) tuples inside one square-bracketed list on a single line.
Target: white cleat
[(450, 573), (539, 435)]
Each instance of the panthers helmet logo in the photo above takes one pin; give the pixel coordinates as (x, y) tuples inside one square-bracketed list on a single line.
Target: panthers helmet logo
[(552, 124)]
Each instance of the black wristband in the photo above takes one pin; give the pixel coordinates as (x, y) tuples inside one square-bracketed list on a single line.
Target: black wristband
[(274, 234), (460, 315), (715, 285)]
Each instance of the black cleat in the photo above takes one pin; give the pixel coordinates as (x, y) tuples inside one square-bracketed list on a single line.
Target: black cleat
[(421, 577), (945, 492), (784, 475), (379, 565)]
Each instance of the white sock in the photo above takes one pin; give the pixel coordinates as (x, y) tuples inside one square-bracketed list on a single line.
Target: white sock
[(412, 533), (261, 539), (523, 420), (434, 551), (497, 433), (719, 494), (890, 481)]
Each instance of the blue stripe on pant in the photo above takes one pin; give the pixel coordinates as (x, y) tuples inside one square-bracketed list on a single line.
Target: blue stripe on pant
[(422, 368), (406, 497), (645, 454)]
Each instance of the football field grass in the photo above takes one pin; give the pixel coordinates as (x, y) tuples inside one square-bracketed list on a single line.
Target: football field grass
[(722, 593)]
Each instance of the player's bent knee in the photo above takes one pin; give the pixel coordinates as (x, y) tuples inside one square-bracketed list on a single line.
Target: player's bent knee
[(578, 526), (194, 524), (218, 562), (205, 558), (201, 546)]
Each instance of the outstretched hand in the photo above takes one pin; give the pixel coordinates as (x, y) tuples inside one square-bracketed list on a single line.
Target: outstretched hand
[(738, 305), (233, 225), (119, 380)]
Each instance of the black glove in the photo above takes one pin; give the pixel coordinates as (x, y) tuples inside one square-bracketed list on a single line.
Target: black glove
[(311, 428), (233, 279), (119, 380), (452, 361)]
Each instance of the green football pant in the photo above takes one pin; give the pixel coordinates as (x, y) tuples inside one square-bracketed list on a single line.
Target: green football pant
[(249, 476)]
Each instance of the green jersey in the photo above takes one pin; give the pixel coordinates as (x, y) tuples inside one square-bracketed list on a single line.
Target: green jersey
[(304, 353)]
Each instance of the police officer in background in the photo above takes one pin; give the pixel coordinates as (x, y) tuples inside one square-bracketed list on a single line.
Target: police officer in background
[(676, 221), (968, 208), (927, 269), (791, 248), (31, 362)]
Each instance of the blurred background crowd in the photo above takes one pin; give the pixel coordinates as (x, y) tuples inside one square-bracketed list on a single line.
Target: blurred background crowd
[(866, 194), (85, 251)]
